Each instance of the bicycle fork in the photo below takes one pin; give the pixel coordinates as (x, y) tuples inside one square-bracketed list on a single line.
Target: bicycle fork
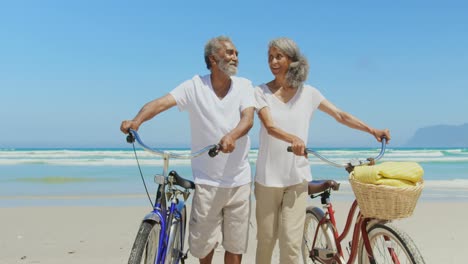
[(175, 230), (370, 254)]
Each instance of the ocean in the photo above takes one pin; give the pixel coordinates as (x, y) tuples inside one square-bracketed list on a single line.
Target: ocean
[(110, 177)]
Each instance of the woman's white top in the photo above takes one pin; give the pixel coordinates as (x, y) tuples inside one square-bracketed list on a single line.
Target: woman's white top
[(275, 166)]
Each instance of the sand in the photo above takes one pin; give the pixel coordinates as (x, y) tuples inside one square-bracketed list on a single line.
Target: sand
[(85, 234)]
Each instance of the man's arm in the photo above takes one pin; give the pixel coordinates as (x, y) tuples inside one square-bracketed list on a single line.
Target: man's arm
[(228, 142), (148, 111), (352, 121)]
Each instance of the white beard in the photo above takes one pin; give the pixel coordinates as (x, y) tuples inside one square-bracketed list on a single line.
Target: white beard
[(225, 67)]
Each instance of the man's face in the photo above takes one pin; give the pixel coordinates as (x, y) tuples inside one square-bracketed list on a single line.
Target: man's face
[(226, 58)]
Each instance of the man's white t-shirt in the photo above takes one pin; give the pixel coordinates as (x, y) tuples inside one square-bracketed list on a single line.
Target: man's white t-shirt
[(275, 166), (210, 119)]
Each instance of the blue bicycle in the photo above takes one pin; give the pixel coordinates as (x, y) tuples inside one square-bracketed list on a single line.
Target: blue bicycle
[(161, 235)]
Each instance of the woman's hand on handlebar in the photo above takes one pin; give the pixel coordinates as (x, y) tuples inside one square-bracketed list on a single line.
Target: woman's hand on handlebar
[(298, 147), (379, 134), (127, 125)]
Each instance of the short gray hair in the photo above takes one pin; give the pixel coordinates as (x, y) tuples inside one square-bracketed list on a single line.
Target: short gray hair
[(212, 46), (299, 67)]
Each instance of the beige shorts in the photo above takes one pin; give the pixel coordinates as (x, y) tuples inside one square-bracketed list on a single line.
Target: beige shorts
[(219, 214)]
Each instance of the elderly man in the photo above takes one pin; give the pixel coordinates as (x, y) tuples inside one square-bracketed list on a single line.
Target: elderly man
[(221, 108)]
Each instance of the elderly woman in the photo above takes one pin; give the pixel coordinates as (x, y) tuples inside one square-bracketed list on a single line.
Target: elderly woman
[(285, 106)]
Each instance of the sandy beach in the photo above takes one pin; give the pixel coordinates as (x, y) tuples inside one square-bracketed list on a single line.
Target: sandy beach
[(84, 234)]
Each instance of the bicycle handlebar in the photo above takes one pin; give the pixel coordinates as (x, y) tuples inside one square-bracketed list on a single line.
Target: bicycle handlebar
[(212, 150), (350, 164)]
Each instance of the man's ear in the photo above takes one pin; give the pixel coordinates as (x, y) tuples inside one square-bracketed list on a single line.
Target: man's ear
[(212, 59)]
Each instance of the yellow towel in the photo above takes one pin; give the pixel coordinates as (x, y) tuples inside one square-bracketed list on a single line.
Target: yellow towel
[(399, 174)]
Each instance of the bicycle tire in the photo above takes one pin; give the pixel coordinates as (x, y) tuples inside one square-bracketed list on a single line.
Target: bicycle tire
[(145, 247), (175, 245), (400, 243), (325, 239)]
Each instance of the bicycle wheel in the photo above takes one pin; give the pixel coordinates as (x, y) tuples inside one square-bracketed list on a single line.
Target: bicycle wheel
[(325, 239), (175, 244), (145, 247), (389, 243)]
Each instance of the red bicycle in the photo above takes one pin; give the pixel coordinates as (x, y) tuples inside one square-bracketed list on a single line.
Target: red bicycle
[(373, 240)]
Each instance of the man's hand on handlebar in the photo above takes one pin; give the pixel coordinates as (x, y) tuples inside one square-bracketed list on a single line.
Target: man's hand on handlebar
[(227, 143), (213, 152), (127, 125)]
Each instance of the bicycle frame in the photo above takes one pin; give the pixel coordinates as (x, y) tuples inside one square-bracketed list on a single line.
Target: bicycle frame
[(168, 215), (360, 230), (165, 215), (361, 223)]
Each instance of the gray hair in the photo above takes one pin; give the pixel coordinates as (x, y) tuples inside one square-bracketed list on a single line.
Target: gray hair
[(299, 67), (212, 46)]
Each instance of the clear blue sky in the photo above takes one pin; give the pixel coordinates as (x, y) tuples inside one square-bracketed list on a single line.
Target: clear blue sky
[(71, 71)]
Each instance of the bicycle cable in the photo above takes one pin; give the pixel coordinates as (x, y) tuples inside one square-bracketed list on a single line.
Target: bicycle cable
[(141, 175)]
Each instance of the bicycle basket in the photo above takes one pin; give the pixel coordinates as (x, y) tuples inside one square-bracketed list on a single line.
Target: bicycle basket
[(386, 202)]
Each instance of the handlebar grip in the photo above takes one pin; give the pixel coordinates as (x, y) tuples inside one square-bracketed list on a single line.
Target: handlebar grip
[(213, 152), (289, 149), (130, 138)]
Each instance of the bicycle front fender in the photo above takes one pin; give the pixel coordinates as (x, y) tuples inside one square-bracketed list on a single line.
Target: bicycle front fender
[(154, 216), (372, 222)]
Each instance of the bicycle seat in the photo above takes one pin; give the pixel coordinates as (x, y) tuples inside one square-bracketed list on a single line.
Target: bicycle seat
[(187, 184), (317, 186)]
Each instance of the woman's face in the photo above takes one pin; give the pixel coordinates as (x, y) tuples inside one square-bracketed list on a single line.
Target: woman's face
[(278, 62)]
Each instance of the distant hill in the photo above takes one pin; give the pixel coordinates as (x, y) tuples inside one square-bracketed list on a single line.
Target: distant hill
[(440, 136)]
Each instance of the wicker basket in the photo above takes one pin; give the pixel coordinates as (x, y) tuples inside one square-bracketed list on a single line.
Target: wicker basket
[(386, 202)]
